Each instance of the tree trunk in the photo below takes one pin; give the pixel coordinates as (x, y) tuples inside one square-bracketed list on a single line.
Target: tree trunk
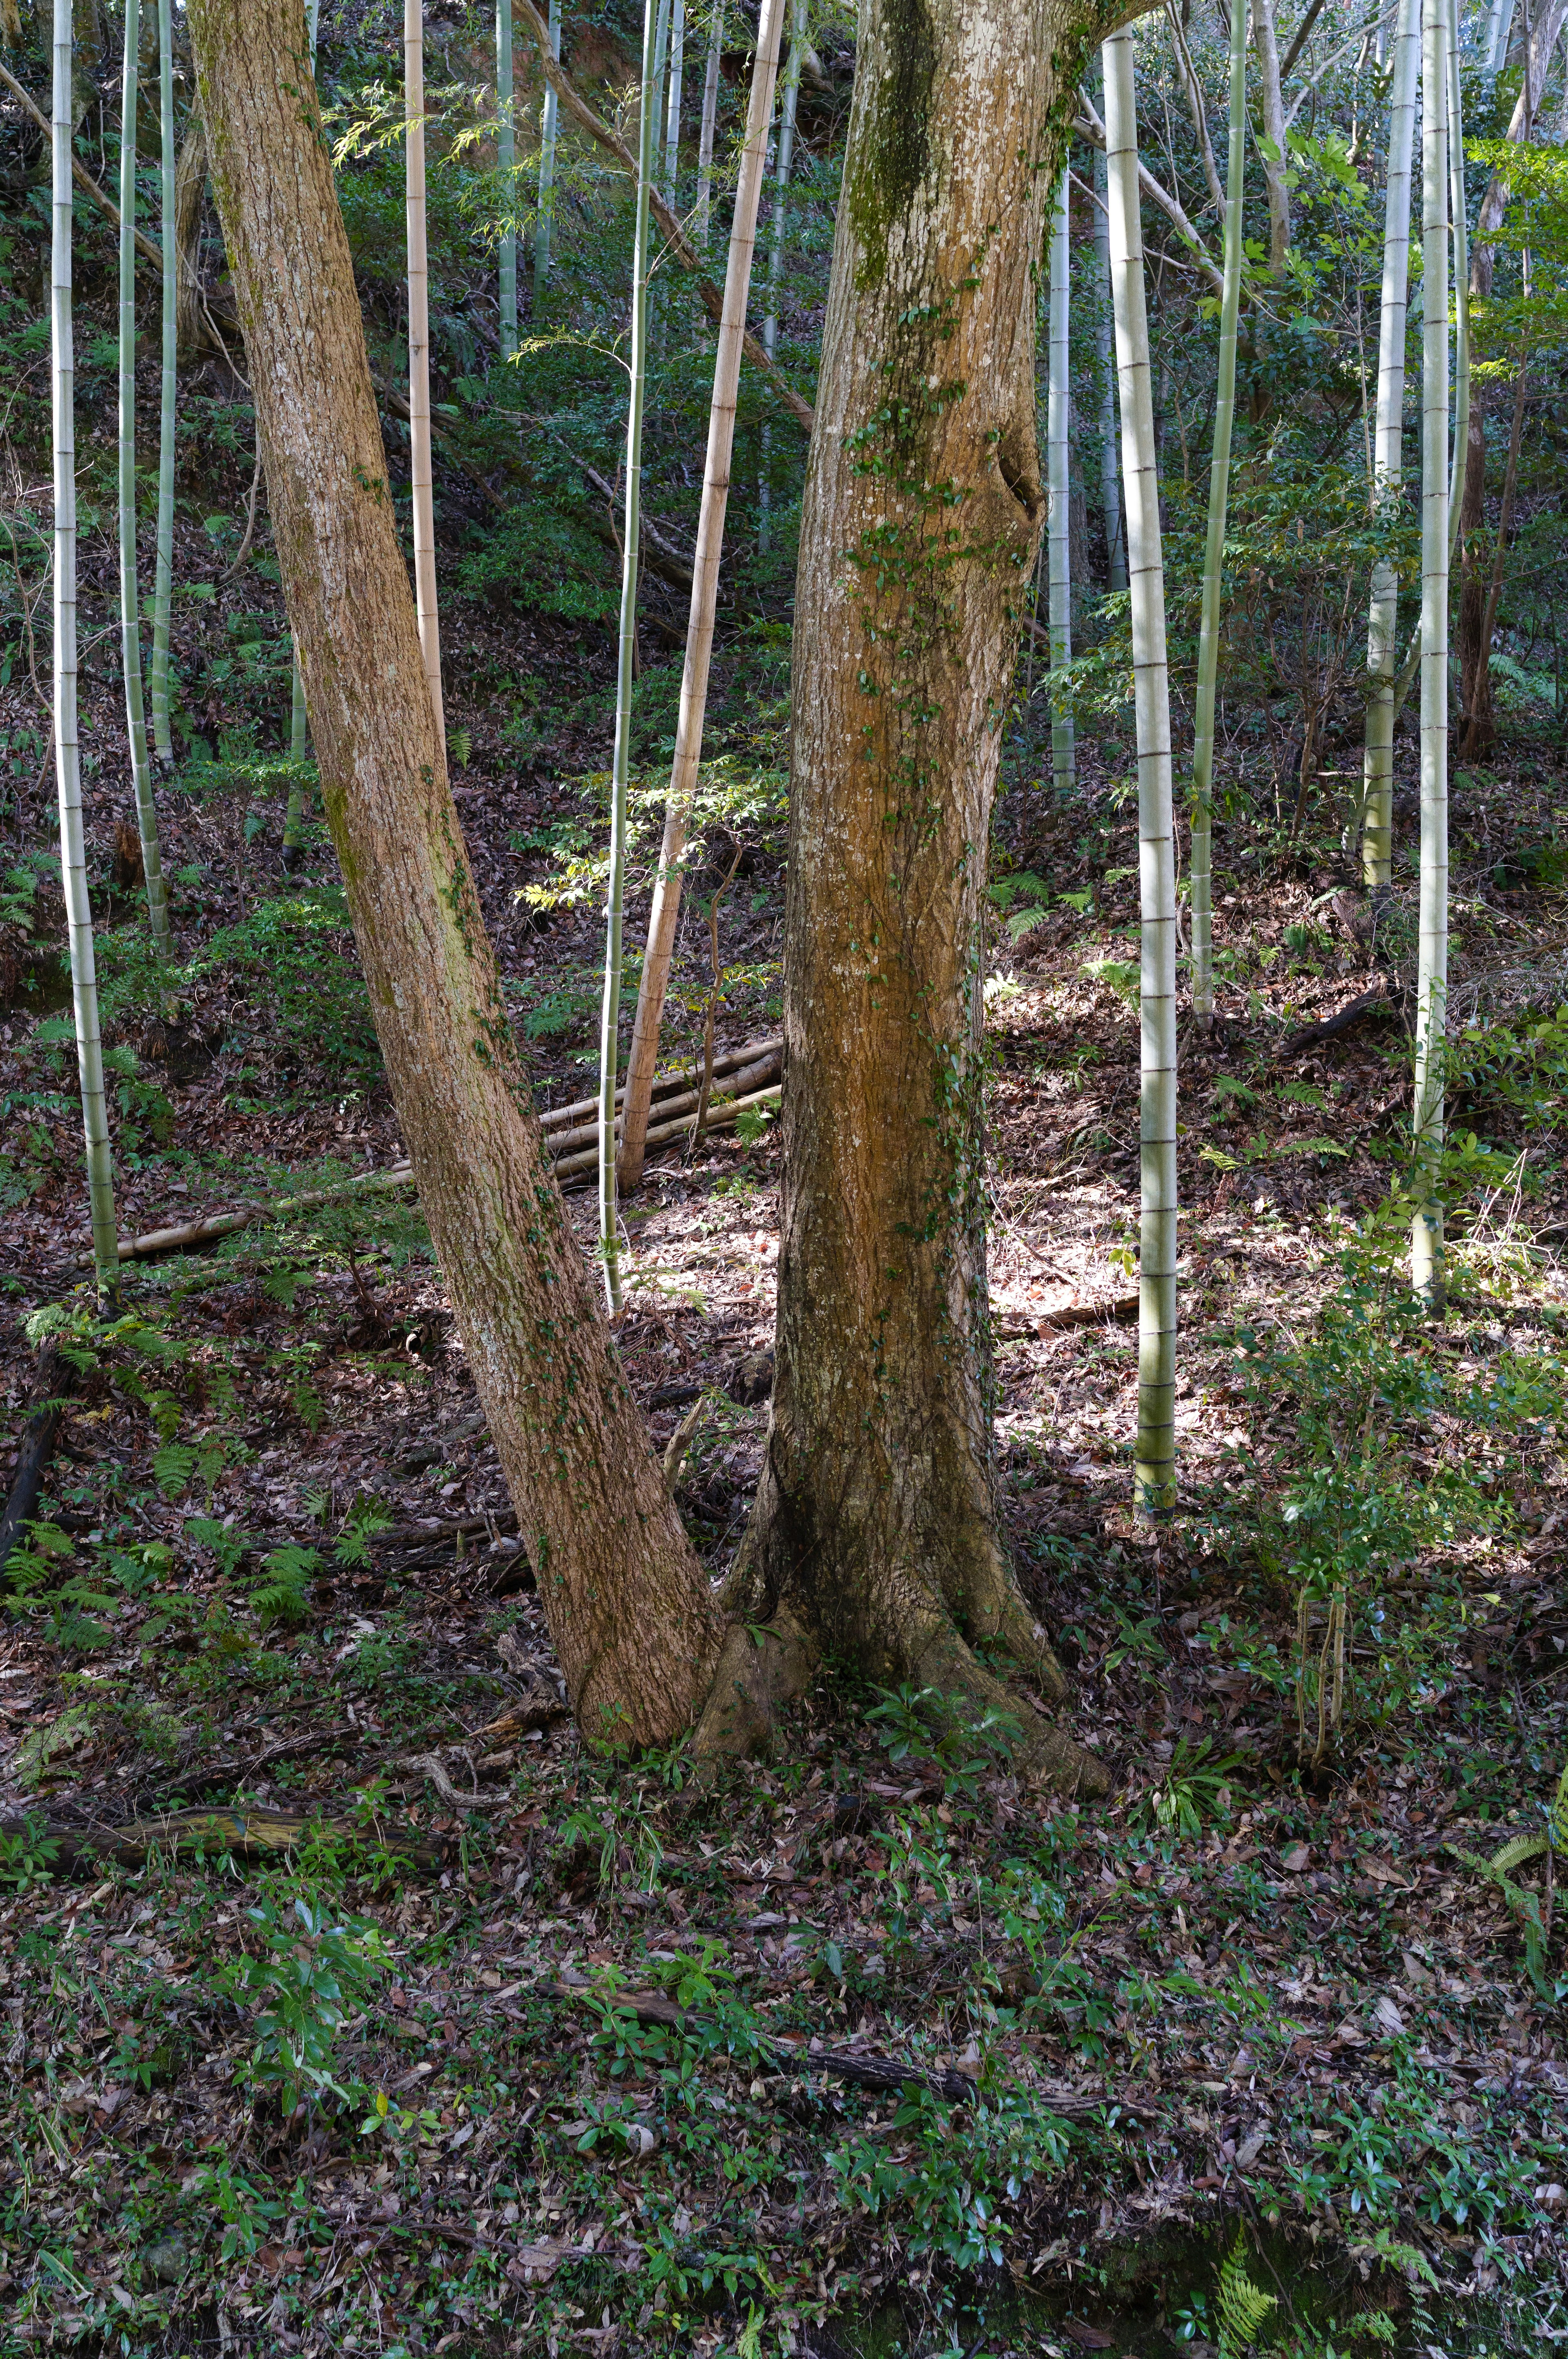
[(421, 485), (1545, 27), (130, 597), (1202, 862), (626, 1601), (875, 1532), (1431, 949), (665, 909), (1383, 609), (190, 333), (788, 98), (67, 750)]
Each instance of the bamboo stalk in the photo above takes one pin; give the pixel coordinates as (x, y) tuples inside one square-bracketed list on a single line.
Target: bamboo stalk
[(709, 127), (1202, 862), (1382, 621), (789, 99), (421, 485), (681, 247), (550, 113), (1154, 1458), (294, 816), (163, 577), (1059, 410), (1459, 223), (130, 623), (1110, 458), (506, 160), (1431, 962), (684, 768), (68, 768), (609, 1030), (672, 109)]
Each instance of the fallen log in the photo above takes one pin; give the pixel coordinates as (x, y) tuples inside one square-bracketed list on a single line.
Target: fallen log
[(743, 1066), (250, 1833), (881, 2072), (52, 1387), (718, 1118), (1376, 1002)]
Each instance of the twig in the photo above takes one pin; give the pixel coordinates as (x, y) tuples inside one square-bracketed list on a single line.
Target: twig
[(250, 516), (80, 172)]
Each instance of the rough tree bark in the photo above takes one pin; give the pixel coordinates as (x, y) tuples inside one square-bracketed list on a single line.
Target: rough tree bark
[(876, 1527), (628, 1603)]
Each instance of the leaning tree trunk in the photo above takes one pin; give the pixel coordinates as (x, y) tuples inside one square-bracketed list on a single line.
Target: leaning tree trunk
[(130, 602), (66, 751), (1431, 939), (626, 1601), (875, 1533), (1383, 613)]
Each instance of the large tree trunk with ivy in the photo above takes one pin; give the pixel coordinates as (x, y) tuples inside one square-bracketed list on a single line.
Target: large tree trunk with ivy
[(875, 1532), (628, 1603)]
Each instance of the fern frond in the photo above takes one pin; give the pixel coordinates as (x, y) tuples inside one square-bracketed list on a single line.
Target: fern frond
[(1243, 2307)]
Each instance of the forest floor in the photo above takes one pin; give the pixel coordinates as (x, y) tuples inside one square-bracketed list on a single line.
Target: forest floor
[(596, 2070)]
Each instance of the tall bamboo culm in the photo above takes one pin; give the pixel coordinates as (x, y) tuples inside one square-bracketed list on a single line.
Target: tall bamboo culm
[(68, 769), (1202, 868), (1383, 615), (163, 575), (506, 160), (672, 102), (709, 127), (1110, 454), (789, 97), (1431, 950), (1461, 234), (1059, 469), (1154, 1473), (610, 1022), (130, 622), (420, 357), (549, 119), (665, 909)]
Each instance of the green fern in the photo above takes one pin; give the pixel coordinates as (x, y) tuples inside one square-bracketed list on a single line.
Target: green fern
[(283, 1594), (1243, 2307)]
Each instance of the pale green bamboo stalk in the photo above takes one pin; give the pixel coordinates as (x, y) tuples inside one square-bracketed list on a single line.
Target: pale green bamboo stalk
[(1154, 1473), (507, 159), (683, 770), (709, 126), (68, 768), (1382, 620), (789, 97), (421, 485), (130, 623), (672, 109), (1058, 452), (1431, 941), (1201, 865), (163, 576), (547, 167), (1461, 234), (610, 1028), (1110, 456)]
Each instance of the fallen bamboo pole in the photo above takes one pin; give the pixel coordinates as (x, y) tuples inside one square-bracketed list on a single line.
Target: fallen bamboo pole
[(741, 1067)]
